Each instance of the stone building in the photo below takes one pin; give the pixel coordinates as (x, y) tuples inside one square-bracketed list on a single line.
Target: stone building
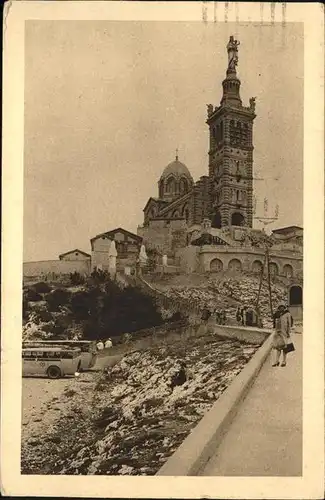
[(127, 244), (75, 254)]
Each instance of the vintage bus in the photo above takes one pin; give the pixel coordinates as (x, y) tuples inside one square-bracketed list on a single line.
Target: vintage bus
[(52, 362), (87, 347)]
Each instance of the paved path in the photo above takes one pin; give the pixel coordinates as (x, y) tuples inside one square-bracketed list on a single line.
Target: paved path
[(265, 438)]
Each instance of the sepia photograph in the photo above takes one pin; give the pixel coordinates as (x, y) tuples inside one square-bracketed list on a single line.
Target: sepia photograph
[(164, 247)]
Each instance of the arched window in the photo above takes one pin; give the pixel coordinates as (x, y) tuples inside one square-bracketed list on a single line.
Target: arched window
[(274, 269), (237, 219), (288, 270), (216, 220), (161, 189), (183, 186), (221, 131), (153, 212), (257, 267), (235, 265), (170, 185), (295, 296), (216, 266)]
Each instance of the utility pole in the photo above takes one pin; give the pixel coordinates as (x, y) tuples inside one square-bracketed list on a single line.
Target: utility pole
[(266, 221)]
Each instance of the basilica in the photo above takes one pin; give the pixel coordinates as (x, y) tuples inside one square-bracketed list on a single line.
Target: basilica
[(207, 225), (225, 195)]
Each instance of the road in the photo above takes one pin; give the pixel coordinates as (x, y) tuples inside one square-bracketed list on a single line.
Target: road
[(265, 438)]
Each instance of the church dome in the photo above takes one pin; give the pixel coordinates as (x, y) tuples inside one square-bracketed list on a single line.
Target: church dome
[(177, 169)]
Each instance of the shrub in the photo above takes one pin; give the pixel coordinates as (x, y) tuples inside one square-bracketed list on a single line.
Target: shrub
[(32, 296), (41, 287), (99, 276), (76, 278), (56, 298), (79, 305)]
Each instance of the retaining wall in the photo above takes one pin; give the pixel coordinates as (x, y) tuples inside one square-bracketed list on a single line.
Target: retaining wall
[(181, 331), (44, 267)]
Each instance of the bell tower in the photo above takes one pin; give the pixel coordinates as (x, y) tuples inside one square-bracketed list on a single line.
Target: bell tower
[(231, 151)]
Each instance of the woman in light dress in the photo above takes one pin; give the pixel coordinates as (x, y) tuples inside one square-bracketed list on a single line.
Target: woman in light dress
[(282, 324)]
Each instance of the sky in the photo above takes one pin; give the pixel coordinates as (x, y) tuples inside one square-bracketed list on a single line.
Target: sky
[(107, 104)]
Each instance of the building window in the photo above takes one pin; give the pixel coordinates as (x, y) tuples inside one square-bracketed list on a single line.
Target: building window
[(170, 185), (183, 187)]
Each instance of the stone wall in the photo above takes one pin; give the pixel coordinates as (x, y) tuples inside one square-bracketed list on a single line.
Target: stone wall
[(44, 267), (247, 257), (181, 331), (188, 259)]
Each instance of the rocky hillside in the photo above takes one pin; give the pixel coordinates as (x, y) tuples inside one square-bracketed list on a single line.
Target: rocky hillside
[(132, 418), (224, 292)]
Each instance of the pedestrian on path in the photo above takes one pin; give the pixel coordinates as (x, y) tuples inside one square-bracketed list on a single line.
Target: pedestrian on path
[(282, 326), (100, 345)]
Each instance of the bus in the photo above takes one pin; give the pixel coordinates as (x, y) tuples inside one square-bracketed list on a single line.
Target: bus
[(53, 362), (87, 347)]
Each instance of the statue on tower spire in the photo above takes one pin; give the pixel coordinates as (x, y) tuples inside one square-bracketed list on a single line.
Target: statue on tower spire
[(232, 49)]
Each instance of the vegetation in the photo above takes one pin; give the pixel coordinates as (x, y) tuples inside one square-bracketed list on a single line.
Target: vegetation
[(99, 308)]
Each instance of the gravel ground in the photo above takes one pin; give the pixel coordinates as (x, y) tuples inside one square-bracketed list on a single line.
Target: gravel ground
[(45, 403)]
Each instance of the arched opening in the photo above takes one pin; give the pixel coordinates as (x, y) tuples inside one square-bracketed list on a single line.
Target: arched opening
[(237, 219), (216, 220), (235, 266), (288, 270), (183, 187), (274, 269), (161, 189), (152, 212), (257, 267), (216, 266), (170, 185), (295, 296)]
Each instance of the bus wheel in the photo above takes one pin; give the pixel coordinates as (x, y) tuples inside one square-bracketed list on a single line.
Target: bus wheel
[(54, 372)]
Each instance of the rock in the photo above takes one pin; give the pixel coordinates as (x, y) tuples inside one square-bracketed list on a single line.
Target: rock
[(54, 439), (34, 442)]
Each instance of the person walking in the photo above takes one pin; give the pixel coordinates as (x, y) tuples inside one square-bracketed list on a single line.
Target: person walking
[(282, 326), (239, 315), (205, 313)]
